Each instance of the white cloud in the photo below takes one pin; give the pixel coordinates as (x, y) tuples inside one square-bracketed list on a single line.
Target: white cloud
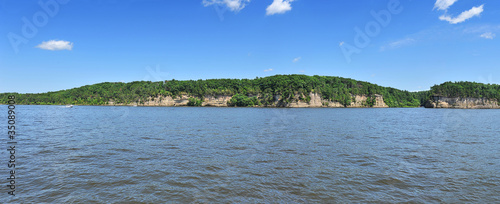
[(341, 43), (268, 70), (488, 35), (233, 5), (296, 59), (474, 11), (279, 7), (444, 4), (398, 44), (56, 45)]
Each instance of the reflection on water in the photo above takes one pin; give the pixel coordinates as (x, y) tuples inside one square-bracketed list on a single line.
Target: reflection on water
[(90, 154)]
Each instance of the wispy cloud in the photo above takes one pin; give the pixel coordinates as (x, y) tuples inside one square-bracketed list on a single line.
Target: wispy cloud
[(233, 5), (279, 7), (444, 4), (483, 28), (488, 35), (56, 45), (474, 11), (397, 44), (341, 43), (296, 59), (442, 33), (268, 70)]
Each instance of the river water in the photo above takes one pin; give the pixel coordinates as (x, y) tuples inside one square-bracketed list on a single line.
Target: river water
[(92, 154)]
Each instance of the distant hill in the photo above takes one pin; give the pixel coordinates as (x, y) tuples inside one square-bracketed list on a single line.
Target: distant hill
[(466, 89), (248, 92), (469, 95)]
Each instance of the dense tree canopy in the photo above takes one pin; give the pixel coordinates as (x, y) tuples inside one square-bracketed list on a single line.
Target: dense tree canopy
[(249, 92), (466, 89)]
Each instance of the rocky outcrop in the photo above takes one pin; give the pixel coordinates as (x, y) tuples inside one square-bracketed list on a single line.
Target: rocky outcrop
[(217, 101), (461, 103), (360, 101), (316, 101)]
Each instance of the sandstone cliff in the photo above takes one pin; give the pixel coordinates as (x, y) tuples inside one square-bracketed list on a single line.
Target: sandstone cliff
[(217, 101), (316, 101), (462, 103)]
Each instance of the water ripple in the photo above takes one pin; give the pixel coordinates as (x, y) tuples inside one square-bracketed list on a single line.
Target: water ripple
[(214, 155)]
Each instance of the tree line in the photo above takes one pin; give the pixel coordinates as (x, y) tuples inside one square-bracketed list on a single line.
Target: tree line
[(260, 91), (466, 89)]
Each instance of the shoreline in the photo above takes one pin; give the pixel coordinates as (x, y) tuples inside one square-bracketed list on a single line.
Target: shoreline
[(482, 108), (233, 106)]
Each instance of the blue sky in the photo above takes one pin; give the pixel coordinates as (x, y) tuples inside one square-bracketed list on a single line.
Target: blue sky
[(85, 42)]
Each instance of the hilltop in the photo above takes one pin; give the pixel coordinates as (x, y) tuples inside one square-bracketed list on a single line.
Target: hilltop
[(464, 95), (272, 91)]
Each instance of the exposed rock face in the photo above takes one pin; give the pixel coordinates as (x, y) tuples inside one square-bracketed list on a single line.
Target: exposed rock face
[(218, 101), (317, 101), (360, 100), (462, 103), (222, 100), (158, 101)]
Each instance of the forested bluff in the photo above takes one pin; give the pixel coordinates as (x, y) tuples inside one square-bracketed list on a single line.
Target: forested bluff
[(272, 91)]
